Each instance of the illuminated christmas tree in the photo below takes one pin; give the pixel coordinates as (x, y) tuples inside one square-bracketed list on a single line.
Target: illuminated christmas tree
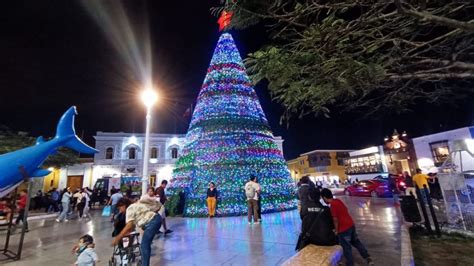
[(229, 140)]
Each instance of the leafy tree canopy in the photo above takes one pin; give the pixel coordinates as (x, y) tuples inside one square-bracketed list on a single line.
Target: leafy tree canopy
[(360, 55), (12, 141)]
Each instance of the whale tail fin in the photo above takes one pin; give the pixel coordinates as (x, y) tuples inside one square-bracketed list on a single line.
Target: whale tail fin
[(66, 129)]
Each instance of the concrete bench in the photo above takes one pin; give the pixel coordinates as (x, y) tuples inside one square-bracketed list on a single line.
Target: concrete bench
[(316, 255)]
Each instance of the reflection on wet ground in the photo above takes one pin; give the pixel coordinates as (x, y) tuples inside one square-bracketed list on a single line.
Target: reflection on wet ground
[(218, 241)]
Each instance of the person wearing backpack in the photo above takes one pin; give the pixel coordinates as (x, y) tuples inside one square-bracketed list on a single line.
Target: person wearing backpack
[(317, 225), (252, 190)]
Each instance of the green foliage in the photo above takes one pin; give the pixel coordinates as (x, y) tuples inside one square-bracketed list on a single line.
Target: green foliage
[(172, 204), (12, 141), (362, 55)]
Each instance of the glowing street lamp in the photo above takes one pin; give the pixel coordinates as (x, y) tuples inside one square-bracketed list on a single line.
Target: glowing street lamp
[(149, 98)]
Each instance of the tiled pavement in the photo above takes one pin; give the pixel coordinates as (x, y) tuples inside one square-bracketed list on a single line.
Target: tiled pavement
[(219, 241)]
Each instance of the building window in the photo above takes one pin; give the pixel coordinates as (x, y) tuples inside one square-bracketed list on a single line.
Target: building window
[(341, 157), (319, 159), (154, 153), (132, 153), (174, 153), (440, 152), (109, 153)]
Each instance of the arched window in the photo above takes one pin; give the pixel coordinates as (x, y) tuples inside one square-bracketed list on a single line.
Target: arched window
[(109, 153), (174, 153), (132, 153), (154, 153)]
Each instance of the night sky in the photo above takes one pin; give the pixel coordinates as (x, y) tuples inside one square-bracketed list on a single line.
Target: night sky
[(54, 55)]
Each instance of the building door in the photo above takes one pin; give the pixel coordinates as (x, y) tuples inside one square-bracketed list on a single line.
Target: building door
[(152, 181), (398, 167), (405, 166), (402, 166), (75, 181)]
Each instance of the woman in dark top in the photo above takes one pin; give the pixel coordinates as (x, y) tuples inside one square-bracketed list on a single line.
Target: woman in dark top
[(211, 199)]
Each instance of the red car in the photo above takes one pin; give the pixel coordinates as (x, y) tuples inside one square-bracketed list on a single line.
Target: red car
[(369, 188)]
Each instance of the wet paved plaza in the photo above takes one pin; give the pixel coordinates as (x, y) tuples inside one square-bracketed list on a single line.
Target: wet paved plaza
[(219, 241)]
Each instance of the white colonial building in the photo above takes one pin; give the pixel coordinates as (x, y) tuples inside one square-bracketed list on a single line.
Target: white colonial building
[(433, 150), (121, 154)]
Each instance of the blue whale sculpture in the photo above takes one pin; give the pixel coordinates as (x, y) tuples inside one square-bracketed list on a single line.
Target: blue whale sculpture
[(14, 165)]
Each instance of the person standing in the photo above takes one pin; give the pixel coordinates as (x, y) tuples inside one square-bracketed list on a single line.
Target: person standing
[(344, 228), (116, 196), (21, 205), (150, 195), (211, 199), (37, 200), (65, 200), (252, 189), (76, 199), (138, 214), (80, 202), (5, 209), (86, 199), (54, 199), (259, 204), (410, 188), (393, 187), (160, 192), (421, 180)]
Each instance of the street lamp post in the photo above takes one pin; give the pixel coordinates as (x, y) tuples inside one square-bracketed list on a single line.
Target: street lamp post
[(149, 97)]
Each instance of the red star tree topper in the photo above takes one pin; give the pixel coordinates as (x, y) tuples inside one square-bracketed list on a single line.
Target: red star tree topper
[(224, 20)]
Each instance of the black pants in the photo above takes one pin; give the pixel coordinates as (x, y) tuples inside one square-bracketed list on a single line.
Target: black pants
[(260, 208), (21, 216), (80, 208)]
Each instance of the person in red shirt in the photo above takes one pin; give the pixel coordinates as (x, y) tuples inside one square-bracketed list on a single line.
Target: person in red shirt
[(5, 210), (21, 204), (345, 228)]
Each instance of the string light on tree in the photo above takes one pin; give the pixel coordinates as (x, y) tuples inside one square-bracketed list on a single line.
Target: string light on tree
[(229, 140)]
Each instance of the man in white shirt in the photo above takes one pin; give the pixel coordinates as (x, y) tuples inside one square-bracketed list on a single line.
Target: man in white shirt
[(85, 213), (141, 214), (252, 190)]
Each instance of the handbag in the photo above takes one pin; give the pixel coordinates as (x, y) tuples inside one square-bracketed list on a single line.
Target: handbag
[(107, 211), (304, 238)]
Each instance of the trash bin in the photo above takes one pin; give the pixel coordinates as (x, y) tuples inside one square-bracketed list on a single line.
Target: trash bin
[(410, 210)]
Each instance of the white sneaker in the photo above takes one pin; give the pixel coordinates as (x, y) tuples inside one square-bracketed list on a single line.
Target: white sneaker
[(66, 220), (256, 223), (57, 220), (250, 222)]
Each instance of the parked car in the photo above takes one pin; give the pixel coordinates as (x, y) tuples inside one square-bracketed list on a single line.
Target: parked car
[(398, 180), (367, 188)]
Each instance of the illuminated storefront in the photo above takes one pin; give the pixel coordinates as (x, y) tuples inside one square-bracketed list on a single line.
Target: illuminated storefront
[(366, 164)]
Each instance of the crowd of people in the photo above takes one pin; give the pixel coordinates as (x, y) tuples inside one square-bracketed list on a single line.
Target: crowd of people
[(428, 184), (51, 201), (79, 201), (325, 219)]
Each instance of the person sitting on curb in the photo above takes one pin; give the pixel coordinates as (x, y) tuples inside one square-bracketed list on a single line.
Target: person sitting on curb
[(317, 225)]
